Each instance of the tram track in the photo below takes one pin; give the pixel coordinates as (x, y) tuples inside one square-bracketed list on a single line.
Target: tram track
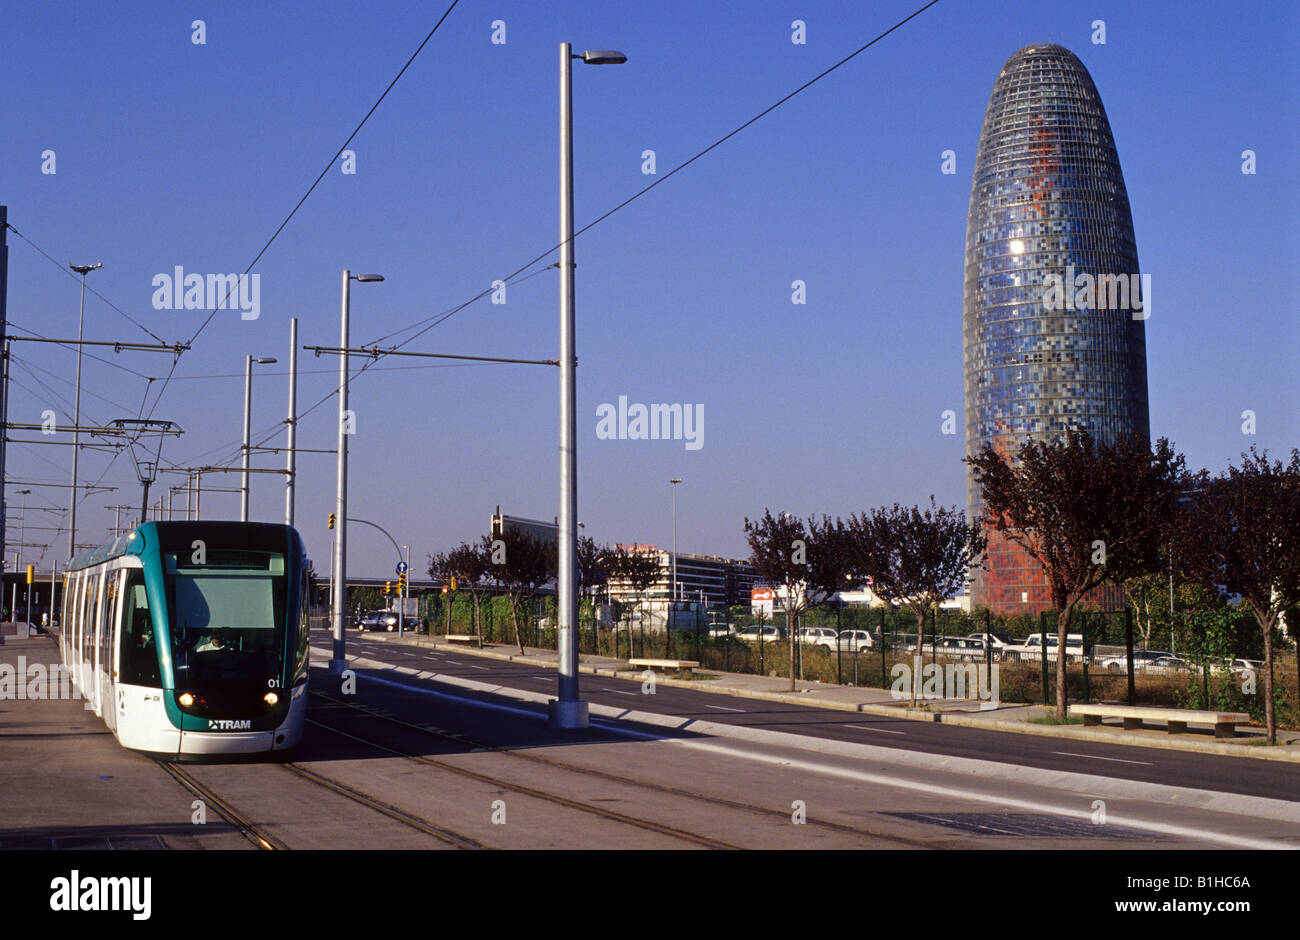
[(667, 789), (240, 821), (525, 790)]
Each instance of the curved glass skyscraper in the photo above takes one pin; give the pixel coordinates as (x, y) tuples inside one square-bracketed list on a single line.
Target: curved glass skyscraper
[(1053, 306)]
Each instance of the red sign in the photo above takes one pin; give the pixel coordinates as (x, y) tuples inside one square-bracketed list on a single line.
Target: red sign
[(760, 594)]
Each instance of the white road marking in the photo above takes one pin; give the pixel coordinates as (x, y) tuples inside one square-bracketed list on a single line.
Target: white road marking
[(1118, 760), (618, 691), (869, 728), (724, 708)]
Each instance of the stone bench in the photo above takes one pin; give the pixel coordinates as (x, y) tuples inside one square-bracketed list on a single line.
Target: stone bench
[(464, 638), (681, 665), (1176, 719)]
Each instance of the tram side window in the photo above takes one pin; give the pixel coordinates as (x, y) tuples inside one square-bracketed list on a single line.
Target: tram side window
[(65, 620), (139, 649), (106, 619), (88, 620)]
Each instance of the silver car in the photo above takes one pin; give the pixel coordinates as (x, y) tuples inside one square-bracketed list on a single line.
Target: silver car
[(859, 641)]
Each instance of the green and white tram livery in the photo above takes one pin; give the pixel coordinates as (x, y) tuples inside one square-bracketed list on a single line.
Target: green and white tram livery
[(190, 638)]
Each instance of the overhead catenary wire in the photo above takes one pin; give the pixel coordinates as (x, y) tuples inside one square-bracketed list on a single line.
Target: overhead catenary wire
[(518, 275), (74, 276), (667, 176), (310, 189)]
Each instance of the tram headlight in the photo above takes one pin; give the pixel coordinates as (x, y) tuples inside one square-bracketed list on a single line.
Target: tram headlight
[(270, 698), (186, 700)]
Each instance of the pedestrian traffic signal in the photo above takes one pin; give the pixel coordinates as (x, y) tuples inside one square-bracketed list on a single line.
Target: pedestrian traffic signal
[(331, 520)]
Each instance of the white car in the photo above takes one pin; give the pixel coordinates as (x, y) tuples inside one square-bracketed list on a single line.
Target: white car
[(1032, 648), (1142, 661), (816, 636), (770, 634)]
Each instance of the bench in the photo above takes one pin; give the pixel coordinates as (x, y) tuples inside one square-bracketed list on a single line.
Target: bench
[(1177, 719), (464, 638), (681, 665)]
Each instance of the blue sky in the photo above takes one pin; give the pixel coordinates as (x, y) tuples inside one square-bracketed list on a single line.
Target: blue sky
[(169, 153)]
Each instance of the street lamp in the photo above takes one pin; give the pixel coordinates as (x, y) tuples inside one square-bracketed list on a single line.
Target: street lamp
[(672, 590), (22, 531), (248, 418), (83, 270), (568, 711), (338, 662)]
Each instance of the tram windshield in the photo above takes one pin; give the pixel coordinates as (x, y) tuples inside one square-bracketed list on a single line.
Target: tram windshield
[(227, 613)]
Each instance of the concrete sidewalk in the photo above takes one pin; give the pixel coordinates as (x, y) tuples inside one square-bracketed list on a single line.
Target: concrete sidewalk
[(867, 700)]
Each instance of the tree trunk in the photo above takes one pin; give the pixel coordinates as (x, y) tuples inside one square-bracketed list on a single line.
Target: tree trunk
[(919, 660), (789, 626), (1270, 720), (514, 619), (1062, 629)]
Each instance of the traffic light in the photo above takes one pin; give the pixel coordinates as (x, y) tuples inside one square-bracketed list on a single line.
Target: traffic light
[(401, 584), (388, 587), (453, 582), (331, 520), (30, 569)]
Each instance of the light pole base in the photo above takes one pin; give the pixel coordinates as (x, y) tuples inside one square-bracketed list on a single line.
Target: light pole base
[(567, 715), (337, 667)]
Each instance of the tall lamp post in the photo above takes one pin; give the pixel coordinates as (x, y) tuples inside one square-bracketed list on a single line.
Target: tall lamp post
[(338, 662), (672, 589), (248, 421), (569, 711), (83, 270), (292, 422)]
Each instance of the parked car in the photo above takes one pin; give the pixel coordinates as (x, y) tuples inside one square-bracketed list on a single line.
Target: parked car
[(378, 620), (963, 647), (816, 636), (859, 641), (996, 639), (770, 634), (719, 630), (1032, 648), (1142, 661)]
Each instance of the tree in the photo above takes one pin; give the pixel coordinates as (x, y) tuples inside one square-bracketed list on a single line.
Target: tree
[(1088, 512), (470, 565), (810, 560), (440, 569), (593, 569), (914, 558), (1239, 532), (637, 569), (522, 564)]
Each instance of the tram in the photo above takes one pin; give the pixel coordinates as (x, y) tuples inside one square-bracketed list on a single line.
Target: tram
[(190, 638)]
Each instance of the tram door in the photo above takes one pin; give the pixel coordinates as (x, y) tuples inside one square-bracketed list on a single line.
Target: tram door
[(141, 716)]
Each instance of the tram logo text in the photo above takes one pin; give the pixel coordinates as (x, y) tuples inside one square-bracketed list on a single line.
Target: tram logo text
[(228, 724), (76, 893)]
